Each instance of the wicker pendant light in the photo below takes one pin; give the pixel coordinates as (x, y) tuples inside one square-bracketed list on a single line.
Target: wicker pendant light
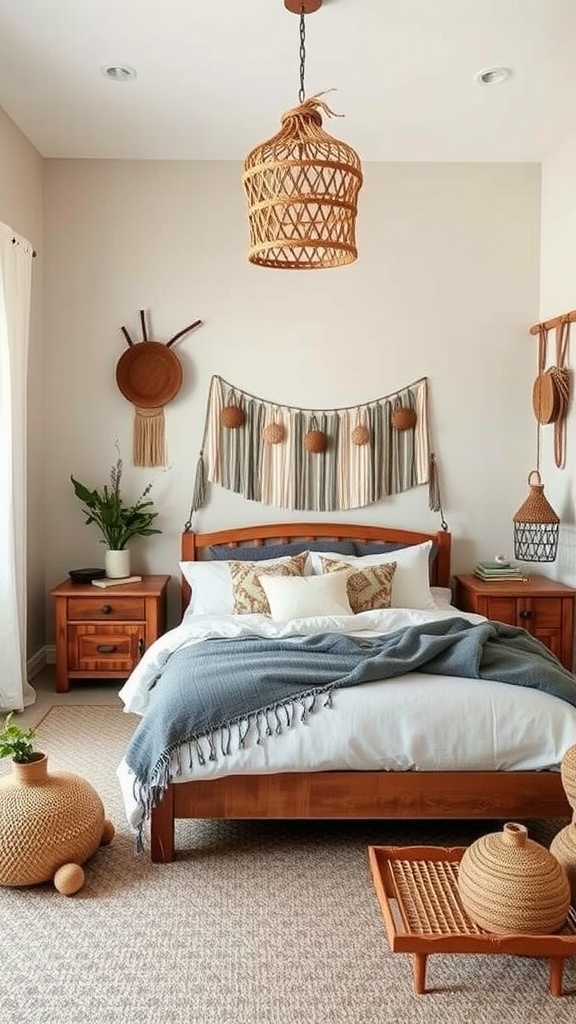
[(302, 186), (536, 526)]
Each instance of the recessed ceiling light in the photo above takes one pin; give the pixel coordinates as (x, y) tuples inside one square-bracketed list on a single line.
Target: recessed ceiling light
[(119, 72), (493, 76)]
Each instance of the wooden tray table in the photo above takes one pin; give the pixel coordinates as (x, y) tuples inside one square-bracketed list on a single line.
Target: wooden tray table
[(417, 887)]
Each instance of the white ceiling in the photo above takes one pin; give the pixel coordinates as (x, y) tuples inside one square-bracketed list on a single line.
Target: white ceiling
[(214, 76)]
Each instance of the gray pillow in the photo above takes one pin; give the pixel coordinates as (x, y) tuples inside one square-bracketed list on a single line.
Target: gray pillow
[(221, 552)]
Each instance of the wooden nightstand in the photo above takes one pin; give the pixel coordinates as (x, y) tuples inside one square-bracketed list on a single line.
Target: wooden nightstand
[(542, 606), (102, 634)]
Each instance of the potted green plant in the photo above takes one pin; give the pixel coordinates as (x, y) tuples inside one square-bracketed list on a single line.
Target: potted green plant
[(16, 742), (118, 521)]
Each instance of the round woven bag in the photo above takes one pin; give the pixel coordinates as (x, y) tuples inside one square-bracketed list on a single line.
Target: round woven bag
[(563, 847), (47, 821), (546, 399), (510, 884)]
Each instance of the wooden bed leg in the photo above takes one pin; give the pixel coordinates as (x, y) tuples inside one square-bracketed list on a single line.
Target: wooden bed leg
[(162, 829), (419, 973), (556, 971)]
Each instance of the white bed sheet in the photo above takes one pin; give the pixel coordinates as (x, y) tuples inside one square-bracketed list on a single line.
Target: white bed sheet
[(416, 722)]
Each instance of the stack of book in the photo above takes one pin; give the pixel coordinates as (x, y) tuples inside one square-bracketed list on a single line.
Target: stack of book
[(492, 571)]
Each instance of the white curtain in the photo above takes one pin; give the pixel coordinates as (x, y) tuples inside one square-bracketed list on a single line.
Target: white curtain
[(15, 296)]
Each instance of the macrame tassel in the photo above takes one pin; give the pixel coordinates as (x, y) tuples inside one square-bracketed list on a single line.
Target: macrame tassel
[(149, 437), (199, 495), (434, 502)]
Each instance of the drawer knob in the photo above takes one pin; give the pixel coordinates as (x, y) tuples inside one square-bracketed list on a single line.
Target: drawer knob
[(106, 609), (140, 646), (525, 615), (106, 648)]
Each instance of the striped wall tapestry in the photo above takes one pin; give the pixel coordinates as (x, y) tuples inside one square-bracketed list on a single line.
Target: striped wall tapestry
[(265, 457)]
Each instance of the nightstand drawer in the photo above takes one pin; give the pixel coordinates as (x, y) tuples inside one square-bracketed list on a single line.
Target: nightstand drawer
[(106, 608), (104, 648)]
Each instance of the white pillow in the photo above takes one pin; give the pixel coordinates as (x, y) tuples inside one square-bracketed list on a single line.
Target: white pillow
[(211, 584), (411, 583), (442, 597), (297, 597)]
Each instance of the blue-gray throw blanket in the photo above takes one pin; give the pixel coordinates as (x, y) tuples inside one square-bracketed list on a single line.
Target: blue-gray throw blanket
[(220, 691)]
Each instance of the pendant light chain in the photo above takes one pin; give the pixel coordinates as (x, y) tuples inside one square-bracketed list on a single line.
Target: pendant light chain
[(301, 91)]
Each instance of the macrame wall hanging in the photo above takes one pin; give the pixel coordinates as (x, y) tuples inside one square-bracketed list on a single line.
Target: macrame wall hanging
[(316, 459), (149, 375)]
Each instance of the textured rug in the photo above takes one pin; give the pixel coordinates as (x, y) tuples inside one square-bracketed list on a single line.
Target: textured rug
[(254, 923)]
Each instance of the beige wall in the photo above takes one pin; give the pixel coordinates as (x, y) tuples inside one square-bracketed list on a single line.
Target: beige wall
[(445, 286), (558, 295), (21, 169)]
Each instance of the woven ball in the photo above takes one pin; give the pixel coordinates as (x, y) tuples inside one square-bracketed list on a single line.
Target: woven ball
[(360, 435), (69, 879), (316, 441), (511, 884), (563, 847), (46, 820), (232, 417), (568, 774), (403, 419), (274, 433)]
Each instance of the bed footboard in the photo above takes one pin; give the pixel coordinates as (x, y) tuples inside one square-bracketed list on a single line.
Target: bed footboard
[(358, 795)]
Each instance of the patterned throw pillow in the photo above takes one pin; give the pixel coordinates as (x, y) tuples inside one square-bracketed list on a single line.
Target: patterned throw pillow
[(368, 588), (249, 596)]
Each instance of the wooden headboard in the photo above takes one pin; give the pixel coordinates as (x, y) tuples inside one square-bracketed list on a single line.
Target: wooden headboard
[(195, 545)]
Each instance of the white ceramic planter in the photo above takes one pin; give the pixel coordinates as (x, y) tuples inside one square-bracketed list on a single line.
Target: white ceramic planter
[(117, 563)]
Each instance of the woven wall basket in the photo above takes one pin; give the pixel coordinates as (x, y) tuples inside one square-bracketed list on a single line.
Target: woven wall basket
[(48, 822), (302, 189), (508, 883)]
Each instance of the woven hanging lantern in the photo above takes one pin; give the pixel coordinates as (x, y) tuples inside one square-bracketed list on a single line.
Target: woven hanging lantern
[(302, 186), (536, 526)]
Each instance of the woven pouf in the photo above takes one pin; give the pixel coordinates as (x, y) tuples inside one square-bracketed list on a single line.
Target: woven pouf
[(568, 774), (510, 884), (50, 824)]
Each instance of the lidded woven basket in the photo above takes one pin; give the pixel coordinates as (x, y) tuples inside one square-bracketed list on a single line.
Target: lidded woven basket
[(510, 884), (46, 821), (302, 189)]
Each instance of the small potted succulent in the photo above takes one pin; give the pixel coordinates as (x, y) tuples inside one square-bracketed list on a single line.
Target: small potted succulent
[(17, 743)]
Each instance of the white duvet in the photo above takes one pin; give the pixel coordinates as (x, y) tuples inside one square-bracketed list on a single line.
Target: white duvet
[(415, 722)]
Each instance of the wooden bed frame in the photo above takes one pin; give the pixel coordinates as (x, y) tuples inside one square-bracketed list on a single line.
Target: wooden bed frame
[(349, 794)]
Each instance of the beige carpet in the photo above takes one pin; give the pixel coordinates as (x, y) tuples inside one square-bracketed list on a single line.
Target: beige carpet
[(256, 923)]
